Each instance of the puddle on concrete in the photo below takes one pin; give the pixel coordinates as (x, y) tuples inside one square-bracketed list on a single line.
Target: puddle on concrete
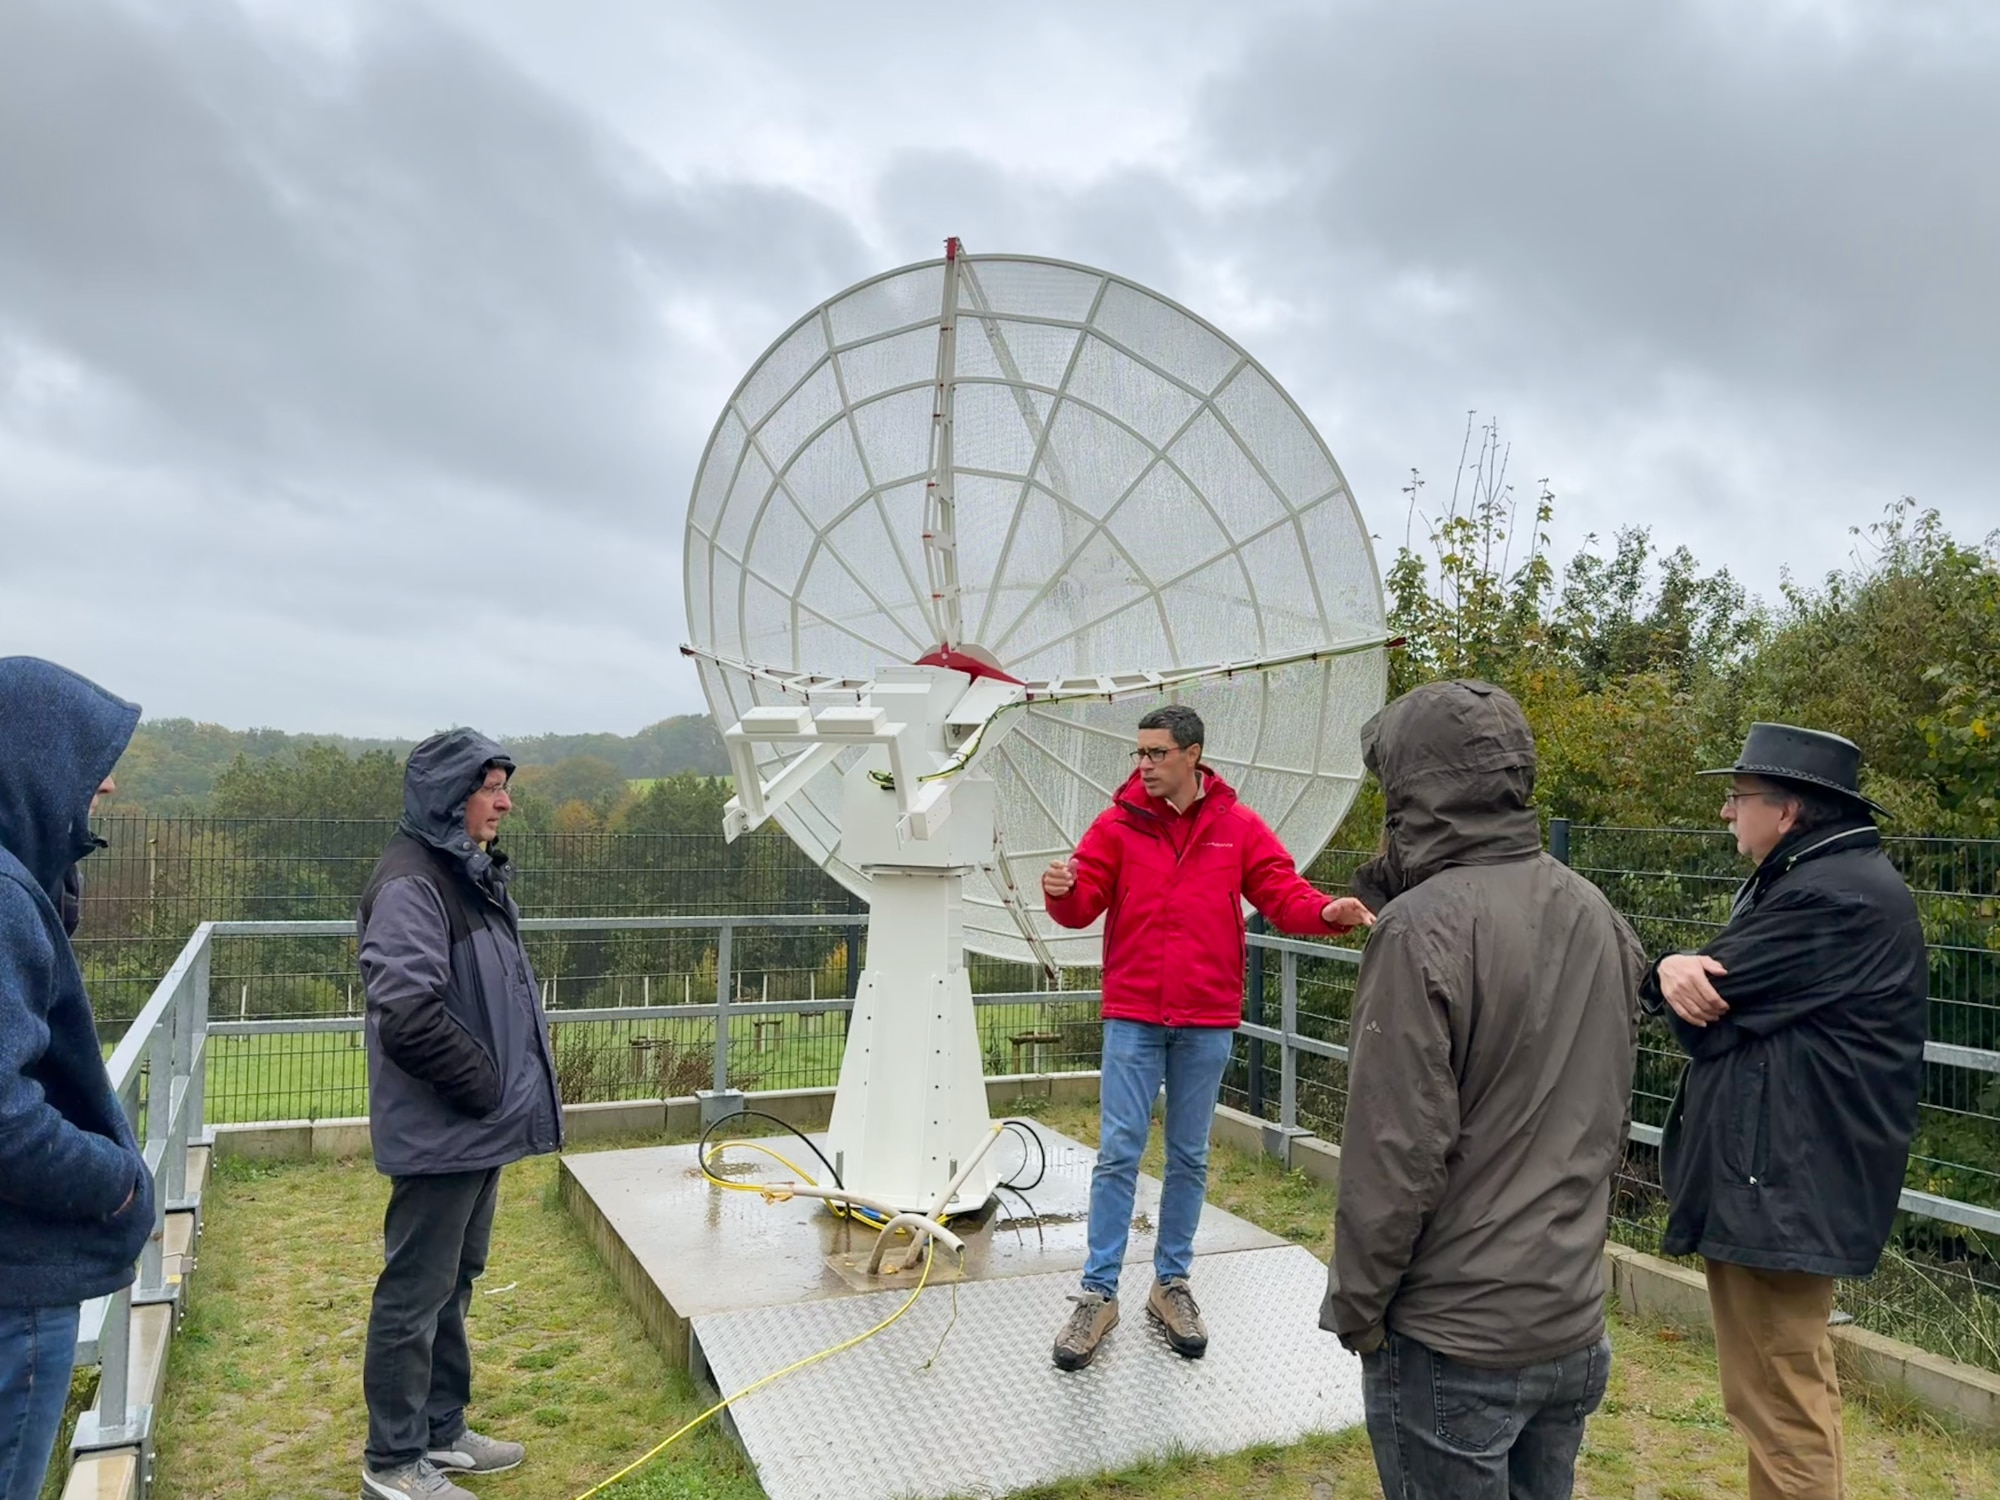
[(728, 1169), (1039, 1221)]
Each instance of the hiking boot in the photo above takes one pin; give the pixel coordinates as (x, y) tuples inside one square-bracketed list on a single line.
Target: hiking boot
[(475, 1453), (1171, 1305), (1095, 1316), (412, 1481)]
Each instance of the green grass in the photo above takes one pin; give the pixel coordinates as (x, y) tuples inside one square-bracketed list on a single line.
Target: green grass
[(324, 1075), (264, 1393), (264, 1399)]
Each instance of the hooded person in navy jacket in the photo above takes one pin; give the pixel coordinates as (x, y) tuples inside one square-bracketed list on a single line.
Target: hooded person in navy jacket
[(461, 1082), (76, 1200)]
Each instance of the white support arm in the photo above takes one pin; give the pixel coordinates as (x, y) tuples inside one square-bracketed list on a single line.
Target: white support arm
[(824, 735), (755, 801)]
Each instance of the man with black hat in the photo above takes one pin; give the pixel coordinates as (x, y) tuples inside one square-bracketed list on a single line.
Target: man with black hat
[(1784, 1152), (460, 1083)]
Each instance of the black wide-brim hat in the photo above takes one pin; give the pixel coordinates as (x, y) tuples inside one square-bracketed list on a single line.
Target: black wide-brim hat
[(1812, 757)]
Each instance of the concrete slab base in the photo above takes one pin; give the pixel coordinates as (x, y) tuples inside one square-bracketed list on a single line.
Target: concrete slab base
[(736, 1287), (682, 1247)]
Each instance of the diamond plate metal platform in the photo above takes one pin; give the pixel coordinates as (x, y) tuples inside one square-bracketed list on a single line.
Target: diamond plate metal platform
[(992, 1415), (682, 1247), (738, 1287)]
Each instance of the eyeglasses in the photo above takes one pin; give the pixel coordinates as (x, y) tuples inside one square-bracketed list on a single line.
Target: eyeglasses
[(1153, 753), (1730, 799)]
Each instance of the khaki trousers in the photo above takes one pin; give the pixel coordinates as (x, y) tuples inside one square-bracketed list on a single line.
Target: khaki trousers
[(1778, 1380)]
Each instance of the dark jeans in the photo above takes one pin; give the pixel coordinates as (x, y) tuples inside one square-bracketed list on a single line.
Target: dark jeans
[(1446, 1431), (417, 1371), (37, 1348)]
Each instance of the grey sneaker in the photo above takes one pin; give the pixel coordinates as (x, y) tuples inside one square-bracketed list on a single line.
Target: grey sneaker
[(413, 1481), (475, 1453), (1171, 1305), (1095, 1316)]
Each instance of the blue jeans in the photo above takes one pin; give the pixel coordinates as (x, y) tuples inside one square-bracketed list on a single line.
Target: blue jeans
[(37, 1350), (1446, 1431), (1138, 1057)]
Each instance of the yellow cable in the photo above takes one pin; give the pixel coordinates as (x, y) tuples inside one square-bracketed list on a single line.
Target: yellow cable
[(749, 1187), (930, 1255), (839, 1210)]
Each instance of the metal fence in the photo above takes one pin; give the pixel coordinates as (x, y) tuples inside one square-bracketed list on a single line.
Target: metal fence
[(1939, 1282), (658, 1006), (158, 878), (639, 1008)]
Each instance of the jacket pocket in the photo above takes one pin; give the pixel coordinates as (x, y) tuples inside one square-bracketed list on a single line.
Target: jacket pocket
[(481, 1095), (1673, 1135), (1747, 1144)]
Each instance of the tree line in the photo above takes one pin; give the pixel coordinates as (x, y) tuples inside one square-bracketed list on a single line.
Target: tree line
[(180, 768)]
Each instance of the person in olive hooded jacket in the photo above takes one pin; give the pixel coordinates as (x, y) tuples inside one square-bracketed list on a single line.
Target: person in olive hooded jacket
[(76, 1200), (461, 1082), (1492, 1038)]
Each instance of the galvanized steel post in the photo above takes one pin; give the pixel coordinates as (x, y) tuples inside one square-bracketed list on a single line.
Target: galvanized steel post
[(725, 935)]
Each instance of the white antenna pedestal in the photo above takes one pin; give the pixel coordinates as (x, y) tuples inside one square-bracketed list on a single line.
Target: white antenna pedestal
[(911, 1106), (910, 1111)]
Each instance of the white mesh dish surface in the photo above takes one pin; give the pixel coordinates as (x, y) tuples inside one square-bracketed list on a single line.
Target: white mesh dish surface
[(1130, 492)]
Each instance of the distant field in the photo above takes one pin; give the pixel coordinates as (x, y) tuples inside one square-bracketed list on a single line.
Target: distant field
[(647, 783), (323, 1075)]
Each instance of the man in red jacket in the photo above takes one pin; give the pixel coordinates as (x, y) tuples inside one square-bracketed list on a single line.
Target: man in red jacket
[(1171, 861)]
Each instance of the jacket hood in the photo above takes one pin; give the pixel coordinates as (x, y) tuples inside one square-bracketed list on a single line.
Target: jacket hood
[(1457, 765), (440, 777), (1133, 794), (60, 735)]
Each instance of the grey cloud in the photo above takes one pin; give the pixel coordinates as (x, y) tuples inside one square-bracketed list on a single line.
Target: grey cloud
[(358, 386), (406, 255), (357, 380), (1778, 202)]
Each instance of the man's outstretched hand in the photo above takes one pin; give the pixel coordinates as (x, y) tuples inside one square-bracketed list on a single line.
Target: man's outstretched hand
[(1345, 913), (1059, 879)]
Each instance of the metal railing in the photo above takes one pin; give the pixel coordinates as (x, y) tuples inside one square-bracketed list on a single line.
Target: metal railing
[(782, 985), (1294, 1045), (158, 1072), (725, 1031)]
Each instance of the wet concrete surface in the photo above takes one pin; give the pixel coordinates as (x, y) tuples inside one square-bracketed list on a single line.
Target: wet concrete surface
[(708, 1249)]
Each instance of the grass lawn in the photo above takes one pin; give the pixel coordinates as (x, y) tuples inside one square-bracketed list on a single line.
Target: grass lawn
[(324, 1075), (265, 1388)]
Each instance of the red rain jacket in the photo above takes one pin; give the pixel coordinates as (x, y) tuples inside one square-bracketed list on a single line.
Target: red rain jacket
[(1173, 886)]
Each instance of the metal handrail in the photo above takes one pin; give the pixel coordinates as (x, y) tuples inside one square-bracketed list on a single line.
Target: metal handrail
[(157, 1071), (1925, 1205)]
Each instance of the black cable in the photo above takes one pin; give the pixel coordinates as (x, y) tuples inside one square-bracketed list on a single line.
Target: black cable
[(701, 1150), (1028, 1133), (1041, 1240)]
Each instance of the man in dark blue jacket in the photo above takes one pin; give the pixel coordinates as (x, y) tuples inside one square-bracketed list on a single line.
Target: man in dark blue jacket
[(76, 1200), (1784, 1152), (460, 1082)]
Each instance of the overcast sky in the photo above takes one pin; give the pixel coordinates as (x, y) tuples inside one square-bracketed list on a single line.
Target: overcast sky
[(355, 359)]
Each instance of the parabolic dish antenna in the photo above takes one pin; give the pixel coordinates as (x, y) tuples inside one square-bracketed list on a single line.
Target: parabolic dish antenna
[(1059, 476), (947, 531)]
